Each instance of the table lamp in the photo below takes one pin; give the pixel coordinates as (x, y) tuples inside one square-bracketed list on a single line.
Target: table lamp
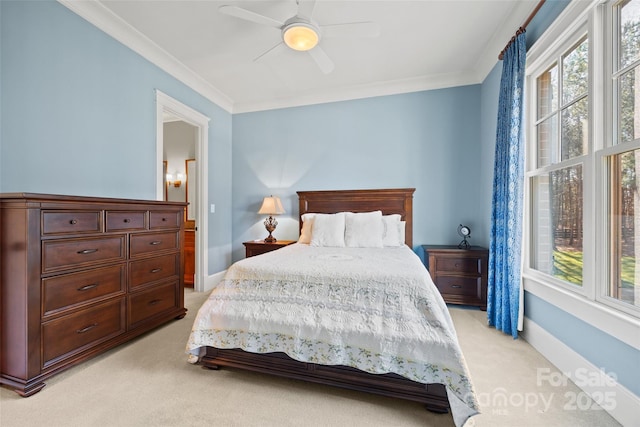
[(271, 206)]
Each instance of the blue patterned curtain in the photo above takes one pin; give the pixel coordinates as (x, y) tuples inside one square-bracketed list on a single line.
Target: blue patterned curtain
[(506, 216)]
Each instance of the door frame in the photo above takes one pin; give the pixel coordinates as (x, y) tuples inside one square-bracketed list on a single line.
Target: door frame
[(167, 104)]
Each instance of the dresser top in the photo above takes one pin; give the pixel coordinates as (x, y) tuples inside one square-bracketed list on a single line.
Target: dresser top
[(37, 197)]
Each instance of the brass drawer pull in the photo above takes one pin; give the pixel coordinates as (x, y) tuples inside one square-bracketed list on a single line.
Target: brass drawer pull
[(456, 286), (156, 270), (87, 251), (155, 242), (127, 220), (154, 301), (86, 329), (164, 219), (73, 222), (87, 287)]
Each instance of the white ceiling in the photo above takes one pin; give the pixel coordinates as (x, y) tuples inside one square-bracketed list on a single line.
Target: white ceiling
[(423, 44)]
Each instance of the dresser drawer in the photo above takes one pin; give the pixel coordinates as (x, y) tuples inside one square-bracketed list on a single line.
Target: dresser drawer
[(71, 222), (70, 290), (126, 220), (148, 243), (60, 254), (165, 219), (146, 304), (78, 331), (459, 265), (455, 285), (152, 269)]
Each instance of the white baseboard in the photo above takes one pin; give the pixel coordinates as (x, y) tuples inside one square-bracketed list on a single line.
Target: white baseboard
[(213, 280), (618, 401)]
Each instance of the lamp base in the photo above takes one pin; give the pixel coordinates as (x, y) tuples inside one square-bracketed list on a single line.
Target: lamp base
[(270, 224)]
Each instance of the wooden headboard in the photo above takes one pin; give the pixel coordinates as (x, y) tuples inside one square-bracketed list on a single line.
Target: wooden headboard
[(389, 201)]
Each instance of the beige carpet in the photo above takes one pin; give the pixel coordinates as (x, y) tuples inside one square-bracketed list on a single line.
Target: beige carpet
[(148, 382)]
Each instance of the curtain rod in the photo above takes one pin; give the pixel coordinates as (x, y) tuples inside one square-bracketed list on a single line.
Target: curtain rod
[(522, 28)]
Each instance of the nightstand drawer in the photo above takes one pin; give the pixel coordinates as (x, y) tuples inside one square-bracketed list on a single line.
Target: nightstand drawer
[(459, 265), (457, 285)]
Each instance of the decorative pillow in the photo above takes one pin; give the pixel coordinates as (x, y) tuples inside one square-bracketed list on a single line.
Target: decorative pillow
[(328, 230), (363, 230), (307, 228), (403, 225), (391, 233)]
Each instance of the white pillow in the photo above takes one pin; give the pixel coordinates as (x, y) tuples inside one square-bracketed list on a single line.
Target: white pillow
[(363, 230), (307, 228), (391, 233), (403, 225), (328, 230)]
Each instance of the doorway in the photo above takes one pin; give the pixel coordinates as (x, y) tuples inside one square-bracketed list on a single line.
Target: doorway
[(190, 173)]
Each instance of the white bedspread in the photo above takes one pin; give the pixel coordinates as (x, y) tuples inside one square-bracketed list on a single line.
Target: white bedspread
[(373, 309)]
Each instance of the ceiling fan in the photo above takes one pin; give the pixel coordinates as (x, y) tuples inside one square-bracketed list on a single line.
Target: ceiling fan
[(302, 33)]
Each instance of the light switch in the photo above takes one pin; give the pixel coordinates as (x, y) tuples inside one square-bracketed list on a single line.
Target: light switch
[(213, 208)]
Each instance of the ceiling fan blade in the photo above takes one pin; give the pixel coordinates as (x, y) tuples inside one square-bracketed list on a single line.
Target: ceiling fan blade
[(305, 8), (324, 62), (248, 15), (271, 51), (352, 29)]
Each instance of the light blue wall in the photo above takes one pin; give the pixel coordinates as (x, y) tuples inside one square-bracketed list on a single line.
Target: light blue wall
[(489, 92), (599, 348), (79, 115), (427, 140)]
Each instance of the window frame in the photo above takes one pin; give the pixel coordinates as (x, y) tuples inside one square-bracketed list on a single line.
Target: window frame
[(589, 302)]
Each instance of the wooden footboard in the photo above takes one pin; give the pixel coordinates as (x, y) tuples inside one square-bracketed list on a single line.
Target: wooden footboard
[(434, 396)]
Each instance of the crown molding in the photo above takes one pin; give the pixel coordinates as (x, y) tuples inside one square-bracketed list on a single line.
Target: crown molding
[(390, 87), (102, 18)]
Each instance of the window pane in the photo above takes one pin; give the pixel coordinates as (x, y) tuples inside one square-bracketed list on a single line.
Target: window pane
[(625, 225), (575, 67), (557, 224), (548, 92), (575, 127), (547, 141), (629, 32), (629, 105)]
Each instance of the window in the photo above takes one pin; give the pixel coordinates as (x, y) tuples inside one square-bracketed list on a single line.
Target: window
[(583, 170), (624, 166), (562, 135)]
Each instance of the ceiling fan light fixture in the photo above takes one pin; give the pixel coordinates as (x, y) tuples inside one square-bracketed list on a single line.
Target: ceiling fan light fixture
[(300, 36)]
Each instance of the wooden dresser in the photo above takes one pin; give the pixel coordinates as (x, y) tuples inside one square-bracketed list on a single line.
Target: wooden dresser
[(80, 275), (459, 274)]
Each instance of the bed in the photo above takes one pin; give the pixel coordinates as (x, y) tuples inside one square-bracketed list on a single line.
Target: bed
[(335, 342)]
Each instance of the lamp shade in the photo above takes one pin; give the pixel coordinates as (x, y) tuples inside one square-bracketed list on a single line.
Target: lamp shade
[(271, 206)]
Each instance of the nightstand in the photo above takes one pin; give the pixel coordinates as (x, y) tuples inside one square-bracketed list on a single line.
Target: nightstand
[(459, 274), (257, 247)]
